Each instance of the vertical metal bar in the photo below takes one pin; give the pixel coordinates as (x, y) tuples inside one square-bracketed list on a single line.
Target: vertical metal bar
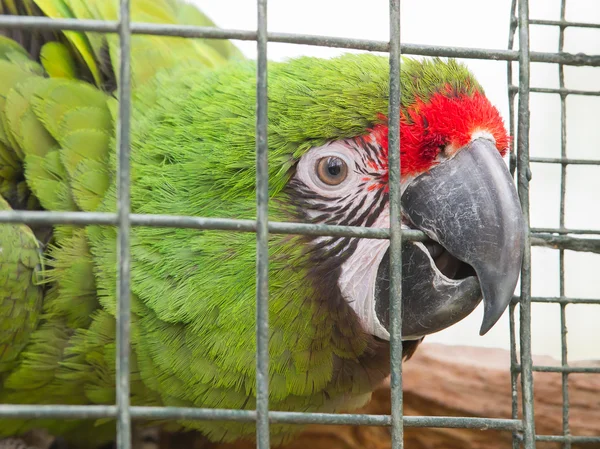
[(524, 175), (563, 188), (123, 220), (395, 230), (511, 93), (564, 359), (262, 236), (514, 375)]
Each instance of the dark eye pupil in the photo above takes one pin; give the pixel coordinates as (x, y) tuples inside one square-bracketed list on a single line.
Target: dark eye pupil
[(331, 170), (334, 166)]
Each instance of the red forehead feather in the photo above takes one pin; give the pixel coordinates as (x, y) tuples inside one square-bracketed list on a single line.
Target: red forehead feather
[(443, 120)]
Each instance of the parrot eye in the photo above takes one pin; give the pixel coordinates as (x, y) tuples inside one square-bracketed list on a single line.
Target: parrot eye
[(332, 170)]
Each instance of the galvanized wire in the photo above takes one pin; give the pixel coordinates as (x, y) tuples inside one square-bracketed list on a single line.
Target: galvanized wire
[(544, 237), (524, 175), (562, 23), (567, 369), (552, 90), (209, 414), (262, 236), (514, 374), (100, 26), (571, 439), (565, 160), (124, 229), (565, 300), (395, 230), (561, 251)]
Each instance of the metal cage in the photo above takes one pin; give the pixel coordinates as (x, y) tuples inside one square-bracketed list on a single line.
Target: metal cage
[(523, 429)]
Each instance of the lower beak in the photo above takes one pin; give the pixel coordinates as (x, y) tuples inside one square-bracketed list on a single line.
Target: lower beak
[(469, 207)]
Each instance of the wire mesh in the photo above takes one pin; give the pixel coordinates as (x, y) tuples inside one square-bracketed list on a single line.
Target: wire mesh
[(524, 368), (562, 238)]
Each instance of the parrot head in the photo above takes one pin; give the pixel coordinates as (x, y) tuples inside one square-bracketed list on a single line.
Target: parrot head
[(455, 187)]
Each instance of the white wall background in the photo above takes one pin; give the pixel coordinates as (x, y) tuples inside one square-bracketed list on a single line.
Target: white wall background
[(485, 24)]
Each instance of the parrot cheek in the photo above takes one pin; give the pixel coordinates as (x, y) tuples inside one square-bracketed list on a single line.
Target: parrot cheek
[(358, 279)]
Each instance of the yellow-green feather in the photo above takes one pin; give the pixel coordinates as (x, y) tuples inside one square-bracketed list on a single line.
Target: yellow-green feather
[(79, 40), (21, 292), (58, 61)]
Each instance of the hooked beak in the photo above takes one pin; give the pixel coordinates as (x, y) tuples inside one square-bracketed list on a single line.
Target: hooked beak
[(469, 207)]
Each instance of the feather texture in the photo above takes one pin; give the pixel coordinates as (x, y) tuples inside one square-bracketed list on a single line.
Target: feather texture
[(192, 153)]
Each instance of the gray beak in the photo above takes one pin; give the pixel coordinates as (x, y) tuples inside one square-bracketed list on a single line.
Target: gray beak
[(469, 207)]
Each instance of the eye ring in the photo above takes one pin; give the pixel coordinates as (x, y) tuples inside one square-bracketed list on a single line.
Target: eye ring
[(332, 170)]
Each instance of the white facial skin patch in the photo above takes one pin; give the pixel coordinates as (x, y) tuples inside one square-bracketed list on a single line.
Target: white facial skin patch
[(358, 278)]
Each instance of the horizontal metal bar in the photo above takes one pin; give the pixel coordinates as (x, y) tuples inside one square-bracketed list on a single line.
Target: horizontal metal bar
[(559, 91), (324, 418), (567, 369), (566, 242), (564, 23), (563, 369), (568, 438), (175, 221), (18, 411), (463, 423), (223, 224), (564, 161), (565, 231), (564, 300), (559, 300), (45, 23), (15, 411), (52, 217)]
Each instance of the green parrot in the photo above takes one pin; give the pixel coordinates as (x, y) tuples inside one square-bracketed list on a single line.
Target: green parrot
[(193, 153)]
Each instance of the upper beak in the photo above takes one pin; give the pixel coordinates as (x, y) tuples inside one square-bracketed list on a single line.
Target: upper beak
[(469, 207)]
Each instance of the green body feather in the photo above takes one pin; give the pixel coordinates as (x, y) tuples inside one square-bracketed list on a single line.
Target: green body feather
[(193, 329), (21, 294)]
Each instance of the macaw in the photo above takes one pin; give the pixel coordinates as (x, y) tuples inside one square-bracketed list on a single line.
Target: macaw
[(193, 153)]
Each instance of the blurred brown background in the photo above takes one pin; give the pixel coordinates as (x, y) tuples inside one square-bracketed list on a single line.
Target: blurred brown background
[(453, 381)]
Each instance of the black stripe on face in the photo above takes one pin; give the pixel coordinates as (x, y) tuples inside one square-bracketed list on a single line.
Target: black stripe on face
[(360, 206)]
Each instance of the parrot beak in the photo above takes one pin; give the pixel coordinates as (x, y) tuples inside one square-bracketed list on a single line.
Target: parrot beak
[(469, 207)]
